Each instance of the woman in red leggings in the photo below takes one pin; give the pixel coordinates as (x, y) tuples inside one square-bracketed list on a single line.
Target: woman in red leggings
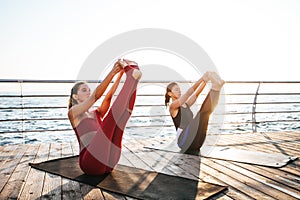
[(99, 132)]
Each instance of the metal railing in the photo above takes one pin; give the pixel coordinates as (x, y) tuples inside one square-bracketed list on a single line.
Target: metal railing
[(285, 106)]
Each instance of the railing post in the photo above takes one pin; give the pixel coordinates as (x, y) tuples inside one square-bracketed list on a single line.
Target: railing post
[(254, 130), (22, 106)]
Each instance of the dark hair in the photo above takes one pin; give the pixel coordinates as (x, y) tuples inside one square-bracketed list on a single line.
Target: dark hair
[(169, 89), (74, 90)]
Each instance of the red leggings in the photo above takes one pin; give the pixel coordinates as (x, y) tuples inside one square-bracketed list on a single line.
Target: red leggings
[(104, 150)]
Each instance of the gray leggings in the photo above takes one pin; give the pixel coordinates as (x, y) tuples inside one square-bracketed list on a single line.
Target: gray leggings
[(194, 134)]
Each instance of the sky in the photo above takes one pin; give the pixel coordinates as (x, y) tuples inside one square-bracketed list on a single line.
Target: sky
[(247, 40)]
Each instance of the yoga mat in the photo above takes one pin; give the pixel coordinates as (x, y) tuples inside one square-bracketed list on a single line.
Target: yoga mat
[(276, 160), (133, 182)]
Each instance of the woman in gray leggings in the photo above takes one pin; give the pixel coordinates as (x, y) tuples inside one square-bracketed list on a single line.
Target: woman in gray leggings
[(191, 131)]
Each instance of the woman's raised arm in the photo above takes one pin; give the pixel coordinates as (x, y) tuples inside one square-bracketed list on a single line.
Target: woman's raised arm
[(78, 109), (195, 95), (103, 108), (184, 98)]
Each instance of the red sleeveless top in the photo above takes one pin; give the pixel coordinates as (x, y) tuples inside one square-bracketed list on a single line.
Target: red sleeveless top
[(86, 130)]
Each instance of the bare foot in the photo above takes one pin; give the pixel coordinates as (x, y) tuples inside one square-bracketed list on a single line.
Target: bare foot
[(217, 82), (129, 62), (122, 63), (206, 77)]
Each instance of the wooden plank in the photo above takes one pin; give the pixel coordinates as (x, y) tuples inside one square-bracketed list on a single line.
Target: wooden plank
[(191, 165), (146, 159), (197, 163), (75, 148), (263, 140), (263, 184), (7, 154), (233, 179), (277, 175), (173, 167), (133, 159), (154, 161), (112, 196), (286, 175), (282, 135), (292, 168), (34, 181), (8, 168), (89, 192), (256, 143), (15, 183), (52, 183), (123, 160), (275, 179), (70, 189), (219, 197), (245, 181), (256, 139), (276, 140), (281, 175), (140, 156), (231, 193), (239, 139)]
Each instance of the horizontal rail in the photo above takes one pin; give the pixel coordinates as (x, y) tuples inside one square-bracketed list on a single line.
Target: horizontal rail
[(33, 96), (157, 81), (148, 116), (146, 95), (31, 119), (141, 105), (145, 126), (251, 94), (38, 130), (245, 95), (32, 108)]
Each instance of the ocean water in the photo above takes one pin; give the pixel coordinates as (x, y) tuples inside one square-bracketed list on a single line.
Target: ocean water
[(150, 118)]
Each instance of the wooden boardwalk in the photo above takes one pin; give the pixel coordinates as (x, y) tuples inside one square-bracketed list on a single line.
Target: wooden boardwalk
[(19, 181)]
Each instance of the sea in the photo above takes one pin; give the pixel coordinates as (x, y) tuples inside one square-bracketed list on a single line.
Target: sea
[(33, 113)]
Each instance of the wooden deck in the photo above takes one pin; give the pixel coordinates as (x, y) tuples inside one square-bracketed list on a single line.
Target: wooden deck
[(244, 181)]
